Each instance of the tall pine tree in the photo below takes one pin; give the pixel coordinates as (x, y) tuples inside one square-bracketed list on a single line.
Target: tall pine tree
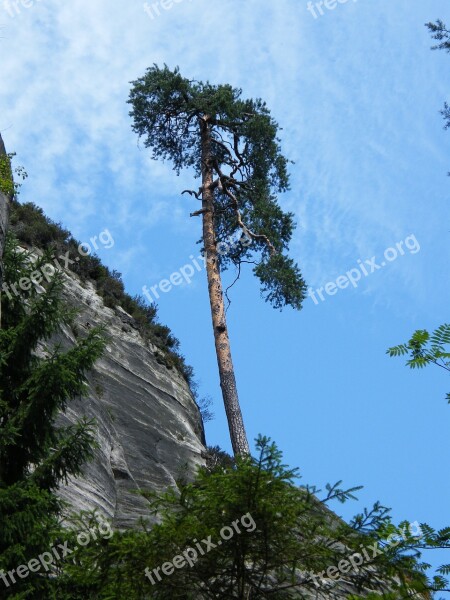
[(233, 147)]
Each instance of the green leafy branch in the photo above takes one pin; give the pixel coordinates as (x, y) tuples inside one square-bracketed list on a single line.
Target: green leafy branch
[(7, 184), (424, 348)]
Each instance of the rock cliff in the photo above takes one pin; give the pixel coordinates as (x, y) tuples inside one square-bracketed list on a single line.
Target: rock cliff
[(150, 431)]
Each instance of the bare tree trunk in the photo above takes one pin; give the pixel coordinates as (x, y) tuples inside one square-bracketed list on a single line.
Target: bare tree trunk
[(226, 371), (4, 220)]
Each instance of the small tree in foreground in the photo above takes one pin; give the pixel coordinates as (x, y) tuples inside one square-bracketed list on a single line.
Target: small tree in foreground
[(232, 145), (247, 531), (36, 383)]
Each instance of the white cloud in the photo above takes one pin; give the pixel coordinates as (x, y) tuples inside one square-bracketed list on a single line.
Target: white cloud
[(66, 70)]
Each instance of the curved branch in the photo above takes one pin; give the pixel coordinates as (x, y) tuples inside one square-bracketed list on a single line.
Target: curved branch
[(235, 165), (231, 285), (224, 146), (236, 150), (192, 193), (243, 226), (255, 236)]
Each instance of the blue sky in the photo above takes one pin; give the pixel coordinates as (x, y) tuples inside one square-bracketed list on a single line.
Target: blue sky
[(357, 91)]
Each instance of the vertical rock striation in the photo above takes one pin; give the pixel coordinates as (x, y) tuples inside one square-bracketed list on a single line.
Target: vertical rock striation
[(150, 431)]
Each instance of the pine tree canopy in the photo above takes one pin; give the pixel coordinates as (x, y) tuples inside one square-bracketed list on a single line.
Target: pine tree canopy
[(248, 166)]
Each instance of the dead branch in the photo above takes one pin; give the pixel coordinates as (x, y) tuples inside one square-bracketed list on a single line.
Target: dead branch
[(197, 213), (193, 193)]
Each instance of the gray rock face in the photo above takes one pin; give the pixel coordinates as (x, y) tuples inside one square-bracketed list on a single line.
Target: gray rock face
[(149, 427)]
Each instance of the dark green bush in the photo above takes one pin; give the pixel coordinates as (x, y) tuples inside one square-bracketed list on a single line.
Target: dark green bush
[(31, 226)]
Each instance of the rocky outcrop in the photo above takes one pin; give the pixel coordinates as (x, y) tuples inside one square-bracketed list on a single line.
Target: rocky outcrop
[(149, 428)]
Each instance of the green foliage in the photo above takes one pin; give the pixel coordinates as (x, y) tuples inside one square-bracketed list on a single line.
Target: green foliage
[(279, 277), (246, 158), (424, 349), (205, 407), (440, 33), (8, 186), (33, 228), (36, 382), (290, 534), (29, 524), (216, 457)]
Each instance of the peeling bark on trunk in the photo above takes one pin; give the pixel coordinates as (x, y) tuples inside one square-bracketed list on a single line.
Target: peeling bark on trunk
[(226, 371), (4, 221)]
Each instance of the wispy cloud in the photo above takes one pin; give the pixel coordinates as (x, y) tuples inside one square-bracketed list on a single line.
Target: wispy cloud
[(67, 69)]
